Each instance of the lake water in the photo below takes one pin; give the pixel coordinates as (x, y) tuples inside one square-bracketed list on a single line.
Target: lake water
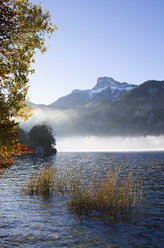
[(34, 221)]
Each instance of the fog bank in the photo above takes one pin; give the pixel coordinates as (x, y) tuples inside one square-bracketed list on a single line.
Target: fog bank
[(65, 123), (107, 144)]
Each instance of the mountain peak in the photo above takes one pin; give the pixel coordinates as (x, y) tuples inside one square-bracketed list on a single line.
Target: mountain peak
[(76, 91), (103, 82), (106, 89)]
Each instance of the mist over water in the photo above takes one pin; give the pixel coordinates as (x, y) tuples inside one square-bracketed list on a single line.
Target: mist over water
[(61, 120), (107, 144)]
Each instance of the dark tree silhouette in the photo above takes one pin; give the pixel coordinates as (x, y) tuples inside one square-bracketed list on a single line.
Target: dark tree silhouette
[(41, 136)]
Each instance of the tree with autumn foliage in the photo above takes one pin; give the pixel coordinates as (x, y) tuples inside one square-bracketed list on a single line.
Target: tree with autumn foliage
[(23, 28)]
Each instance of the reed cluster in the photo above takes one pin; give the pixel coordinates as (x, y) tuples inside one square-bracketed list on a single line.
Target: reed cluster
[(41, 183), (108, 195), (46, 182)]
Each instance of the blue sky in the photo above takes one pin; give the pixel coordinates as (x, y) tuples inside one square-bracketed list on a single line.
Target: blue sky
[(123, 39)]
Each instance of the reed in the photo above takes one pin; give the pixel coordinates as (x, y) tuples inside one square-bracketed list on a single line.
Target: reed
[(108, 196), (47, 182), (41, 183)]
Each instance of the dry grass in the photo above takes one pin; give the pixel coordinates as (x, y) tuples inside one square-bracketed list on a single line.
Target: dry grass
[(110, 195), (41, 183), (46, 182)]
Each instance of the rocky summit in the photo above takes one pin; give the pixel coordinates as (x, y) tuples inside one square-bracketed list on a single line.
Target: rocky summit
[(105, 89)]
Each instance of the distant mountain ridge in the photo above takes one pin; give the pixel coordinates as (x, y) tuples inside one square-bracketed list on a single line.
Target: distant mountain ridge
[(106, 89), (138, 112), (114, 109)]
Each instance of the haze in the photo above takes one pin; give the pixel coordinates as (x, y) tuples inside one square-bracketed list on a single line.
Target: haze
[(110, 144), (58, 119)]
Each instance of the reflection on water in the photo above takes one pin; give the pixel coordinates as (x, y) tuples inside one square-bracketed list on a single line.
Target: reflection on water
[(33, 221)]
